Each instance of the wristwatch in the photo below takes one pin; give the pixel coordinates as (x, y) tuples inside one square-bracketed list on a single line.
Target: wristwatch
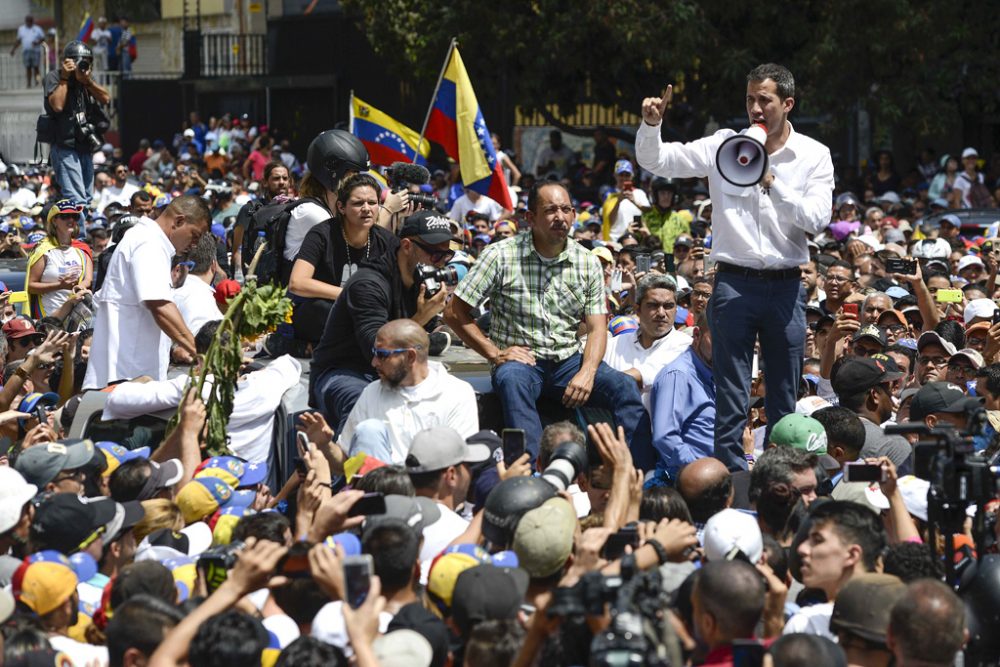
[(661, 552), (21, 373)]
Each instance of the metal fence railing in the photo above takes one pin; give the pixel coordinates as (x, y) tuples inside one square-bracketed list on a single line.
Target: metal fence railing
[(12, 69), (227, 54)]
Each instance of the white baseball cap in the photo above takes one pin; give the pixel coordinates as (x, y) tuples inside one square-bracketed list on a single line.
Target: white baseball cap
[(732, 528), (978, 307), (970, 260), (15, 492)]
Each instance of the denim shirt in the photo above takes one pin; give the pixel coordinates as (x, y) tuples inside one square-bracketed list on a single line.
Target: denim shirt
[(682, 402)]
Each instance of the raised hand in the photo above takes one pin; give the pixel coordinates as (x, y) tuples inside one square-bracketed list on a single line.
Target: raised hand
[(653, 108)]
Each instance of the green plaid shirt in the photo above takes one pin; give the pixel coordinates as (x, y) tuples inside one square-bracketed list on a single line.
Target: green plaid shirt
[(534, 303)]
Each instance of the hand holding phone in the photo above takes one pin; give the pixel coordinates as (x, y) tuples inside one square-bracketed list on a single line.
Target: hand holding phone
[(368, 504), (863, 472), (850, 309), (358, 572), (512, 441), (949, 296)]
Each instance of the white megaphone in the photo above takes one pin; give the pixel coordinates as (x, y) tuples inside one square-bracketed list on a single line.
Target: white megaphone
[(742, 159)]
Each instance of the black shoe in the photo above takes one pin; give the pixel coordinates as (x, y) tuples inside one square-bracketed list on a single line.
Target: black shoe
[(277, 345), (440, 342)]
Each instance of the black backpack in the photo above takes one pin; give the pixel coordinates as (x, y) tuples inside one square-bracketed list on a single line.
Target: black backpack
[(271, 220)]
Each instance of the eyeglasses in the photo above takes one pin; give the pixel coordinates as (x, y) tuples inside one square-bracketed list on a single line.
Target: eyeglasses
[(936, 361), (860, 351), (385, 353), (436, 254), (895, 328), (701, 294), (833, 278), (961, 368)]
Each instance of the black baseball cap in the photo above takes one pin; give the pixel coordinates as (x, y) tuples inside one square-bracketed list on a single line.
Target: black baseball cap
[(940, 397), (66, 522), (861, 374), (429, 226), (415, 617), (487, 592)]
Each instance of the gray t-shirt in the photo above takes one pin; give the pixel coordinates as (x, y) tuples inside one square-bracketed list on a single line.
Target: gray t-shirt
[(896, 447)]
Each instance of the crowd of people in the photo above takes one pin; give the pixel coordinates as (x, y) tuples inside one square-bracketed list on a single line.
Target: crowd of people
[(696, 382)]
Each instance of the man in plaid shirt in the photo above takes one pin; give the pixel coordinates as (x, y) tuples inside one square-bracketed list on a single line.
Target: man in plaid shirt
[(541, 286)]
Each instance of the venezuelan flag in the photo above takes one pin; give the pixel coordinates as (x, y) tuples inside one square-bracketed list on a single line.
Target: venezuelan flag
[(386, 139), (86, 27), (456, 122)]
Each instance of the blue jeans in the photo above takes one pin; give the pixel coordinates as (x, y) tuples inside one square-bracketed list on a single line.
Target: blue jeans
[(520, 386), (336, 391), (740, 311), (74, 173)]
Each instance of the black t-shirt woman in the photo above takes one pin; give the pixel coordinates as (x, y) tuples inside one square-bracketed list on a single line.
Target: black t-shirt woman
[(332, 251)]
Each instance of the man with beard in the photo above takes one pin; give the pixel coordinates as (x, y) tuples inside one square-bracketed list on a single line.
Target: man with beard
[(274, 183), (810, 276), (411, 394), (838, 285)]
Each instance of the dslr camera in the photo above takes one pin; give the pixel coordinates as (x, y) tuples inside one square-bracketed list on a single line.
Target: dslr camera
[(434, 278)]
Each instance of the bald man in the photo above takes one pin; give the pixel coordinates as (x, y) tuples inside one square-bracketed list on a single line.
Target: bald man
[(707, 488), (411, 394)]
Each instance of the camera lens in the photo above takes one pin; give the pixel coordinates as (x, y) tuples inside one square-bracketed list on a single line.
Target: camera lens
[(568, 460)]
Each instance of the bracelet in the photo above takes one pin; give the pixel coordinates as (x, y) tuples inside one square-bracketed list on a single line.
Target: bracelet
[(661, 552), (749, 458), (21, 373)]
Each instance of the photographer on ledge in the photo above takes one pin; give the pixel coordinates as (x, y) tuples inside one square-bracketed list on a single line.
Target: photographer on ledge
[(392, 286), (71, 103)]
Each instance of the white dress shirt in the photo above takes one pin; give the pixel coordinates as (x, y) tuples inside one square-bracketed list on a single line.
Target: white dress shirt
[(625, 351), (749, 227), (196, 301)]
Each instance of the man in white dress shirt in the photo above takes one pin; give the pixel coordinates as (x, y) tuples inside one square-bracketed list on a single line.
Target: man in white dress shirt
[(758, 244), (135, 306), (642, 353), (196, 297)]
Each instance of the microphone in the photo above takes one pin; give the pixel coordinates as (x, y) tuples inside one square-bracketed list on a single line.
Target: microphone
[(402, 174)]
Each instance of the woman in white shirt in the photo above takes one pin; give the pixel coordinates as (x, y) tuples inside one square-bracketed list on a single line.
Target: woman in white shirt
[(57, 268)]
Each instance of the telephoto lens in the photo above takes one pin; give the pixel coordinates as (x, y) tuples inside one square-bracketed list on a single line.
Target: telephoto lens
[(568, 460)]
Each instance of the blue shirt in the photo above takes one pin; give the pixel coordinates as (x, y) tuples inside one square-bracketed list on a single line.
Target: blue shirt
[(682, 402)]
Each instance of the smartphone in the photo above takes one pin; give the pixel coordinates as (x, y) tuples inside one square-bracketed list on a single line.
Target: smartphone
[(628, 186), (614, 548), (699, 243), (368, 504), (851, 309), (747, 653), (295, 564), (358, 572), (906, 267), (949, 296), (513, 444), (642, 263), (636, 222), (996, 316), (863, 472), (616, 280), (669, 266)]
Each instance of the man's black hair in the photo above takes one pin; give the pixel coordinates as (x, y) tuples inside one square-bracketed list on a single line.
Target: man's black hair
[(733, 592), (843, 428), (140, 195), (141, 622), (801, 650), (952, 332), (494, 643), (228, 639), (992, 375), (146, 578), (783, 79), (389, 480), (771, 484), (854, 524), (776, 557), (911, 561), (271, 526), (842, 264), (663, 502), (395, 549), (203, 337), (310, 652), (127, 480), (537, 187), (426, 480), (203, 254)]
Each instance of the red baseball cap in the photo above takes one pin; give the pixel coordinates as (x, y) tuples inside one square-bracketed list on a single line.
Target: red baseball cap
[(19, 327)]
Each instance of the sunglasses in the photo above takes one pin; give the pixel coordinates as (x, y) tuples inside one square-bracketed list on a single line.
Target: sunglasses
[(436, 255), (385, 353)]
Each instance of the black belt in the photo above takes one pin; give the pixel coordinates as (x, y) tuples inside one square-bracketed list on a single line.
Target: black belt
[(762, 274)]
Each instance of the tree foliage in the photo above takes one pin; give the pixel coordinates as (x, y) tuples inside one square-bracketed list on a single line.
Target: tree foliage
[(917, 65)]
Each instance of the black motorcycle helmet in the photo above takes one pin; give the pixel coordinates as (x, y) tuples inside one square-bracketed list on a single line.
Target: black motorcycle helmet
[(334, 152), (79, 52)]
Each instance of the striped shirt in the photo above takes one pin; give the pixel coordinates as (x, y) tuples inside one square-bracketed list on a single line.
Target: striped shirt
[(535, 302)]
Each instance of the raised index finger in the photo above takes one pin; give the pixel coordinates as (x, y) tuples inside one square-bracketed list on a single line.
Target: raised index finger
[(668, 93)]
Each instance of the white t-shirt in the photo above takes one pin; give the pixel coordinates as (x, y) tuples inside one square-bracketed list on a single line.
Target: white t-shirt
[(440, 400), (60, 262), (25, 197), (812, 620), (196, 301), (625, 351), (438, 536), (303, 218), (963, 183), (121, 195), (80, 654), (29, 36), (627, 212), (100, 39), (127, 341), (483, 205)]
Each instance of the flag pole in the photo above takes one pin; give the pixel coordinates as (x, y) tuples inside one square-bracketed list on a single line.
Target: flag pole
[(350, 113), (430, 108)]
